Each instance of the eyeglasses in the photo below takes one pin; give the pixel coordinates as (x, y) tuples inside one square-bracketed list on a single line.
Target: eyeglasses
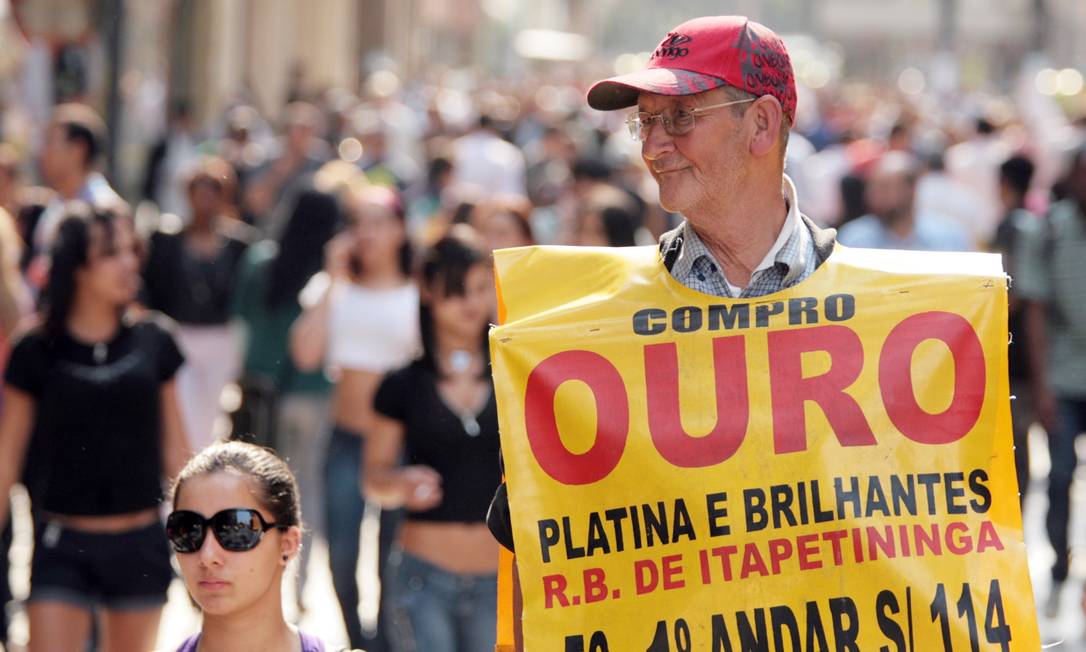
[(682, 122), (237, 529)]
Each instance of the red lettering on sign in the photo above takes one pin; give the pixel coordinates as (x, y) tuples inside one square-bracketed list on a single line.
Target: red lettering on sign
[(595, 585), (646, 576), (752, 562), (779, 550), (732, 404), (896, 379), (673, 572), (962, 545), (612, 416), (988, 538), (554, 590), (808, 551), (789, 389)]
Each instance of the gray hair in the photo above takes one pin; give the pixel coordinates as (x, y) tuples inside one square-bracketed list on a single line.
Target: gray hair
[(740, 110)]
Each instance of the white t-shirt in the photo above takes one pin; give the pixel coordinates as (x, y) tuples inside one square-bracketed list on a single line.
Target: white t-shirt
[(369, 329)]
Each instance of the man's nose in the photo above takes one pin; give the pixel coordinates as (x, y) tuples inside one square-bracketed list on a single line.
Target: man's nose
[(658, 143)]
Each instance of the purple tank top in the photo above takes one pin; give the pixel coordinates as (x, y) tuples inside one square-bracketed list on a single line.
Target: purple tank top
[(309, 643)]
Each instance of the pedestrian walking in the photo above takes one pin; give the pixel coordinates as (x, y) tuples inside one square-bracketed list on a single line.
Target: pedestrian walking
[(439, 415), (362, 321), (93, 386), (190, 276)]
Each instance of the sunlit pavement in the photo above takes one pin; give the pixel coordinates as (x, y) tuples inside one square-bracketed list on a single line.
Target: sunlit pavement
[(1067, 631)]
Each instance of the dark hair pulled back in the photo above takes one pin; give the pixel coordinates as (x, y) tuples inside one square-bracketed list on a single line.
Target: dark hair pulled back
[(278, 491)]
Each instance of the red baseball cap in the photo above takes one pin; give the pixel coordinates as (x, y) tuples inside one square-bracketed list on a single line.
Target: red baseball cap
[(703, 54)]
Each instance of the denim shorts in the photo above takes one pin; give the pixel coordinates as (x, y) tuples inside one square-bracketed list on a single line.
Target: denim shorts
[(119, 571), (441, 611)]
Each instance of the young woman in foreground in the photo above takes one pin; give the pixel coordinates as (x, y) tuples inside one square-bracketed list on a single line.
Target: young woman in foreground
[(235, 528)]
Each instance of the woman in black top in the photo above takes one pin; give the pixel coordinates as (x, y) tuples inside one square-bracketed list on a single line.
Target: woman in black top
[(93, 387), (439, 414), (190, 277)]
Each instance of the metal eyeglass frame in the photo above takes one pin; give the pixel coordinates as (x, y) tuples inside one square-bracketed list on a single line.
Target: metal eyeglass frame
[(636, 124)]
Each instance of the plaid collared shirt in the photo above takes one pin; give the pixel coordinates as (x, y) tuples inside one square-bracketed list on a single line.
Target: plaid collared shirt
[(696, 268)]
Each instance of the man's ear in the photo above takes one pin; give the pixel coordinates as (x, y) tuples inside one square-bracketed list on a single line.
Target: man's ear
[(766, 114)]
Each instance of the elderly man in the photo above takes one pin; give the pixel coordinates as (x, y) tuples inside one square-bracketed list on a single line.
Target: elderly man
[(714, 107), (713, 110)]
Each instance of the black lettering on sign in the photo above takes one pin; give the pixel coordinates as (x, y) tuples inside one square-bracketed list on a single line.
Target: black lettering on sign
[(650, 321), (729, 316), (763, 311), (802, 310), (686, 319), (840, 307), (597, 643), (886, 606), (716, 510), (784, 622), (845, 633), (753, 638), (977, 480)]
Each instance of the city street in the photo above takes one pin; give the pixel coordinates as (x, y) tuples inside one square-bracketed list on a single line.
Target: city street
[(280, 252), (1066, 633)]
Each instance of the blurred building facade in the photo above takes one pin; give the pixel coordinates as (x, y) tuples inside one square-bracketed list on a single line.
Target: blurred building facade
[(135, 58)]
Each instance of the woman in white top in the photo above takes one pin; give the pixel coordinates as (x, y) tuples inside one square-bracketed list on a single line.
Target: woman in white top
[(361, 321)]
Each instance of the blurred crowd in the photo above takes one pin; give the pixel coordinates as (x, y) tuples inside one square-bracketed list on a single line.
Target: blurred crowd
[(324, 271)]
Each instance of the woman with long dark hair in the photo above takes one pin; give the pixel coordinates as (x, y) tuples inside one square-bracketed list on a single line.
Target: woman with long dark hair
[(94, 386), (439, 415), (362, 322), (282, 406)]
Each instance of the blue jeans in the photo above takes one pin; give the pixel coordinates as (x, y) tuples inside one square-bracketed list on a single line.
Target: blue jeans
[(1071, 415), (344, 509), (440, 611)]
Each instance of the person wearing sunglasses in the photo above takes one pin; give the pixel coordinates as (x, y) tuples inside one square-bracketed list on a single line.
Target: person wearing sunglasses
[(712, 112), (235, 528), (91, 417)]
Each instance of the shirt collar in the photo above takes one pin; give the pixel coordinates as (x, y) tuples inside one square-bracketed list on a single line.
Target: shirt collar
[(792, 224), (794, 258)]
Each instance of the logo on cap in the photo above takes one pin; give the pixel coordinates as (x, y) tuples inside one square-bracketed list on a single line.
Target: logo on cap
[(765, 66), (669, 47)]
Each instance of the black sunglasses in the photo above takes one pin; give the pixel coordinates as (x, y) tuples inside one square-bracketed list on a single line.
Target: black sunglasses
[(238, 529)]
